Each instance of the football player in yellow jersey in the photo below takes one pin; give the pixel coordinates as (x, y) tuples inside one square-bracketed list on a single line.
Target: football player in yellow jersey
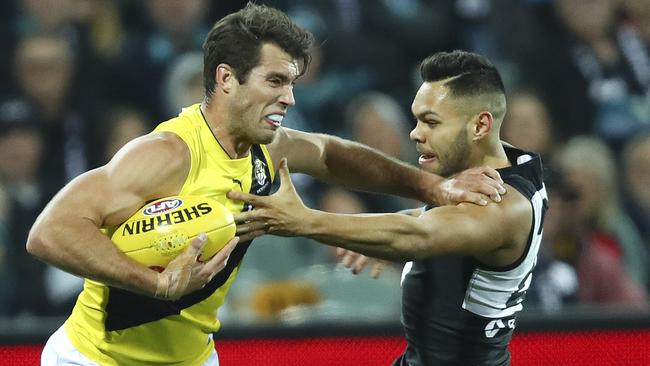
[(129, 314)]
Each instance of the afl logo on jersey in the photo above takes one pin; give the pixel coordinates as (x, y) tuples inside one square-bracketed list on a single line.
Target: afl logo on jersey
[(159, 207), (260, 172)]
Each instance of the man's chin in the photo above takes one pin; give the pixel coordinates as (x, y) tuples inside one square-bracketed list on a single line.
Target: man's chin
[(433, 168), (267, 138), (438, 170)]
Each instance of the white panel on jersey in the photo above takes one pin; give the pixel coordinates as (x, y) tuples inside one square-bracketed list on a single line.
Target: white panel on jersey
[(405, 271), (489, 292)]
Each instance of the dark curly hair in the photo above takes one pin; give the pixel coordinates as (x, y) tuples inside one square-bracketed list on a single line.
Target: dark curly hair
[(237, 40)]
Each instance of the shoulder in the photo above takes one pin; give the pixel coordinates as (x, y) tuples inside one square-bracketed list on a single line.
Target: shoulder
[(158, 158), (516, 209), (155, 145), (187, 125), (495, 234), (511, 217)]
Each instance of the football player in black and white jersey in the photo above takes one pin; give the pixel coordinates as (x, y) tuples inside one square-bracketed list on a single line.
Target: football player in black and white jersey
[(468, 266)]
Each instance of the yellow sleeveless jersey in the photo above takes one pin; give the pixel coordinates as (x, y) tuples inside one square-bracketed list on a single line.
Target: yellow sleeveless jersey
[(116, 327)]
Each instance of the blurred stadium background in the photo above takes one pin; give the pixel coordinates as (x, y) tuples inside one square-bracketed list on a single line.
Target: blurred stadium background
[(79, 78)]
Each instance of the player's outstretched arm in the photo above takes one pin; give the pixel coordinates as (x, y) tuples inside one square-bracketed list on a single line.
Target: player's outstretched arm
[(67, 233), (356, 262), (343, 162), (462, 229)]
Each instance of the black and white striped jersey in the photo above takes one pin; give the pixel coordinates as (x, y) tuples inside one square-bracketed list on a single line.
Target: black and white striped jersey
[(457, 311)]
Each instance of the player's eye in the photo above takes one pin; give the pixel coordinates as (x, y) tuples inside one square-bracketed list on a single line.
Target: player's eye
[(275, 81)]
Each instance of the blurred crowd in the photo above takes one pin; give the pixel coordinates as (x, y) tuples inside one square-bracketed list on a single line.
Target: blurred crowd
[(79, 78)]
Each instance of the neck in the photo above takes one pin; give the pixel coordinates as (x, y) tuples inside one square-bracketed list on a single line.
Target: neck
[(492, 155), (218, 119)]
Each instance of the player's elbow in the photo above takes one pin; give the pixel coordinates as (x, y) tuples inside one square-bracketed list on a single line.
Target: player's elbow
[(38, 244)]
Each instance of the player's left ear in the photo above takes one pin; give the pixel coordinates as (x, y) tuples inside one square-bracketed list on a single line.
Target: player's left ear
[(225, 77), (482, 125)]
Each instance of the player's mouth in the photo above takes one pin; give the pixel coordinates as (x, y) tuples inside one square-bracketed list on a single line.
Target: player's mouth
[(427, 158), (274, 120)]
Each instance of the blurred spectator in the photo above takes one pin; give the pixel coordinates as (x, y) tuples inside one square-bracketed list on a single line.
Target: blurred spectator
[(7, 41), (407, 31), (505, 31), (123, 125), (528, 125), (587, 73), (377, 120), (45, 71), (88, 27), (45, 16), (183, 85), (341, 289), (275, 300), (21, 149), (352, 55), (270, 262), (638, 13), (38, 289), (319, 289), (173, 28), (636, 165), (338, 200), (612, 263), (104, 26), (6, 271), (322, 92), (635, 39)]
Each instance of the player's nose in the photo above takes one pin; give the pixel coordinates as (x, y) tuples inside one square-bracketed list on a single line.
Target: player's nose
[(416, 135), (286, 98)]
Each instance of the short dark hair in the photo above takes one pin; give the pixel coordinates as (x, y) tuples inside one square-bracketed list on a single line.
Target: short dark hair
[(473, 74), (237, 40)]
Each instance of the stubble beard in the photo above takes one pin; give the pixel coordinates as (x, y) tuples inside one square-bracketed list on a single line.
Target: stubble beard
[(457, 157), (247, 127)]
